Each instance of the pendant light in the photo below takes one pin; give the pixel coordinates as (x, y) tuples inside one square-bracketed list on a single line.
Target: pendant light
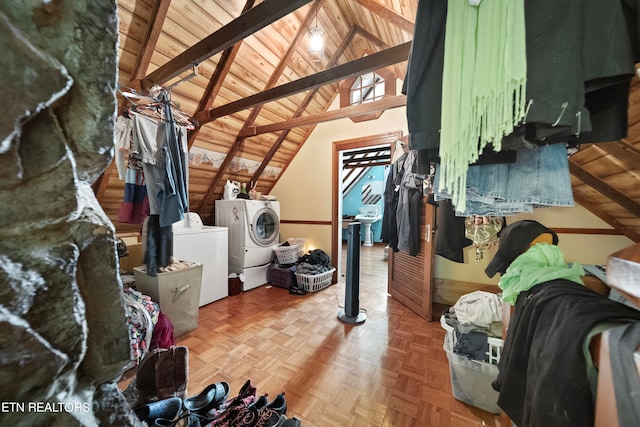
[(316, 41)]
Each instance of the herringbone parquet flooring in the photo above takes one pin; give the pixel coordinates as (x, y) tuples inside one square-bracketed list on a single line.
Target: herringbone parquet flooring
[(389, 371)]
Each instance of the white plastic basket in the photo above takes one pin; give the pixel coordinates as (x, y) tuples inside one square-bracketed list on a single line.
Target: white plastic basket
[(287, 254), (471, 379), (495, 344), (314, 282)]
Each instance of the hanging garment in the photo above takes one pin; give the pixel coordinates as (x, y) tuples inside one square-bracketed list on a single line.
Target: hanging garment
[(135, 207), (623, 342), (539, 178), (580, 58), (450, 239), (483, 85), (164, 167), (423, 87), (483, 232), (159, 245), (409, 207), (124, 135), (542, 372)]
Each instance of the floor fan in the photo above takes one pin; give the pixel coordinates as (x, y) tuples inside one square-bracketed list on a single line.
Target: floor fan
[(351, 313)]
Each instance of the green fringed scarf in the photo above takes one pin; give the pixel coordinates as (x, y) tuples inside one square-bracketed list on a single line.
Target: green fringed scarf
[(484, 83)]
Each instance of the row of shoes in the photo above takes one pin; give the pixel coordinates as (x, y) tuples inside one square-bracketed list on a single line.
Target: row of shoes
[(213, 408)]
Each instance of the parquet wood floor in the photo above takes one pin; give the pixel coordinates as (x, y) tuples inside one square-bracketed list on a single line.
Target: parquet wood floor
[(389, 371)]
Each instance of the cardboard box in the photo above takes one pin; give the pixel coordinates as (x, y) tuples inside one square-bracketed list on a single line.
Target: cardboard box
[(176, 292), (134, 259)]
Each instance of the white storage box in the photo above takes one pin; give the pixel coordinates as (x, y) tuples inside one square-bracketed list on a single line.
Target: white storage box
[(471, 379), (176, 292)]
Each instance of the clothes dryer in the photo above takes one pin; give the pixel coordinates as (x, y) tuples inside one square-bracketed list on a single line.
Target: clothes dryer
[(254, 230)]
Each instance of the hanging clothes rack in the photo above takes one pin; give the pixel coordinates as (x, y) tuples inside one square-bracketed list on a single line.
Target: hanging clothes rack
[(152, 105)]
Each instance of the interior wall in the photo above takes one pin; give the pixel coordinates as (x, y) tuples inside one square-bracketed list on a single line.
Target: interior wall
[(304, 189), (582, 248)]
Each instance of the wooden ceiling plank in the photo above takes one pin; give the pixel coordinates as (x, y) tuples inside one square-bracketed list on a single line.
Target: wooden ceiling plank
[(630, 233), (273, 79), (622, 151), (217, 78), (301, 108), (359, 66), (388, 15), (604, 188), (246, 24), (354, 110), (150, 39)]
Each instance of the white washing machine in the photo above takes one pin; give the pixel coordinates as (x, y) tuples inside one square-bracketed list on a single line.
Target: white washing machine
[(207, 245), (254, 230)]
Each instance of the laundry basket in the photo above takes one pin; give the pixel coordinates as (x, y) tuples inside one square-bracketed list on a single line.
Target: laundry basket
[(314, 282), (471, 379), (287, 254)]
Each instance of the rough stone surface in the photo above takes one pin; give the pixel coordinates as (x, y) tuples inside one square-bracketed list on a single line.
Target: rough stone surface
[(63, 333)]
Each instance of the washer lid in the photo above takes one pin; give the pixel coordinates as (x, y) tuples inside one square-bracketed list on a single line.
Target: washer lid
[(191, 221)]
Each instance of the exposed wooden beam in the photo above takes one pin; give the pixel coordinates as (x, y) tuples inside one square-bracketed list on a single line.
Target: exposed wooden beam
[(246, 24), (217, 78), (273, 80), (604, 188), (302, 108), (622, 151), (386, 103), (150, 39), (388, 15), (359, 66), (630, 233)]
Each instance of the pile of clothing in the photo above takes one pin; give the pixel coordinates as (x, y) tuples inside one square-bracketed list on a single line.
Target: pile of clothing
[(475, 317)]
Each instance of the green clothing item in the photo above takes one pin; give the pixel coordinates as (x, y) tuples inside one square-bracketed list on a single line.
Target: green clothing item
[(483, 85), (541, 263)]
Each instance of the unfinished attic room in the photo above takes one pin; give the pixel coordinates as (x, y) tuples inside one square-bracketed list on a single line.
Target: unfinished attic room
[(320, 213)]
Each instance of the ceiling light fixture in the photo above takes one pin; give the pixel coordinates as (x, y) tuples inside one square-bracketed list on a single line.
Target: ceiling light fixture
[(316, 41)]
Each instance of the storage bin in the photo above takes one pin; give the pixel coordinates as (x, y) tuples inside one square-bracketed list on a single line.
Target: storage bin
[(287, 254), (314, 283), (471, 379), (176, 292), (281, 277)]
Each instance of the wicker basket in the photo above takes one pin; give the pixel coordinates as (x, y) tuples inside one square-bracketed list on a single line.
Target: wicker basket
[(314, 282), (287, 254)]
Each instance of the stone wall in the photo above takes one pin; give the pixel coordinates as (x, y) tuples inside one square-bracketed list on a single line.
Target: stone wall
[(63, 334)]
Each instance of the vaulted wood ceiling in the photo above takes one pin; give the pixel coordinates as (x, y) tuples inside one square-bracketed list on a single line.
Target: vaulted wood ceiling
[(241, 68)]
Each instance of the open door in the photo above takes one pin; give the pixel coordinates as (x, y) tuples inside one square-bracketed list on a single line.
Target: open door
[(410, 277)]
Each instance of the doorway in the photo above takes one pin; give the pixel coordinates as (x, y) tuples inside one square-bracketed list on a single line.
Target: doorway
[(360, 153)]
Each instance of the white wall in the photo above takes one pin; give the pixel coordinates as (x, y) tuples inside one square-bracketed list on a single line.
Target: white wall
[(304, 191)]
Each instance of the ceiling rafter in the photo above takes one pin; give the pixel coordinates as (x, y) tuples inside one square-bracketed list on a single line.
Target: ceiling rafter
[(586, 203), (217, 78), (246, 24), (622, 151), (273, 79), (604, 188), (387, 103), (301, 109), (388, 15), (358, 66)]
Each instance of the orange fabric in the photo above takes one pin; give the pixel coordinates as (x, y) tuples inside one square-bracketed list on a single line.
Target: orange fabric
[(543, 238)]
